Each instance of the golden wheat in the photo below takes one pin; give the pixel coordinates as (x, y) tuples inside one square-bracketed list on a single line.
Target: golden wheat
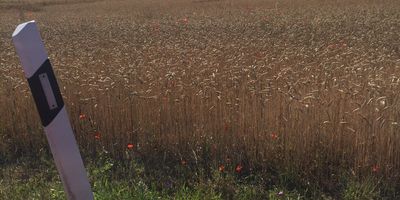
[(296, 84)]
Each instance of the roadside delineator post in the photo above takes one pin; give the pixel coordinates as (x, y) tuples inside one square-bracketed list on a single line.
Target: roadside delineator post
[(50, 105)]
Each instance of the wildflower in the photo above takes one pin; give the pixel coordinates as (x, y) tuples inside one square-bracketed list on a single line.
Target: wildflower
[(29, 14), (226, 126), (97, 136), (331, 46), (130, 146), (238, 168), (280, 193), (221, 168), (375, 168), (82, 116), (274, 136), (183, 162)]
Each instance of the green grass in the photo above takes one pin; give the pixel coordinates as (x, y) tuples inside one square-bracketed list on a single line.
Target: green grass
[(368, 189), (29, 178)]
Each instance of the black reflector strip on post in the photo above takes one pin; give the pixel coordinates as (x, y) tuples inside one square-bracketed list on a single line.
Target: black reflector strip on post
[(48, 100)]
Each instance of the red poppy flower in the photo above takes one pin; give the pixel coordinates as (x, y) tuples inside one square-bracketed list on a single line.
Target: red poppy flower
[(226, 126), (29, 14), (274, 136), (82, 116), (130, 146), (239, 168), (97, 136), (221, 168), (375, 168), (183, 162)]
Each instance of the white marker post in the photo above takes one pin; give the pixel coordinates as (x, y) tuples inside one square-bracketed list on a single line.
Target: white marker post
[(50, 105)]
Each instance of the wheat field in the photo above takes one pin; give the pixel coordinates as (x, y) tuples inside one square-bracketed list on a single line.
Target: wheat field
[(309, 86)]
